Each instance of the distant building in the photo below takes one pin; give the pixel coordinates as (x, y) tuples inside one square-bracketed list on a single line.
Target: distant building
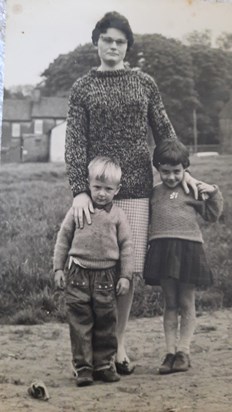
[(26, 126), (57, 142), (225, 121)]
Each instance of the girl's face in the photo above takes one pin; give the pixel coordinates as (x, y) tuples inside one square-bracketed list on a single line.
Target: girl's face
[(170, 175), (112, 47)]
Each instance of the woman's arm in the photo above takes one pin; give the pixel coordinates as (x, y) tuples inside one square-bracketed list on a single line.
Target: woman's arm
[(76, 143), (157, 117), (82, 206), (190, 181), (163, 129), (76, 157)]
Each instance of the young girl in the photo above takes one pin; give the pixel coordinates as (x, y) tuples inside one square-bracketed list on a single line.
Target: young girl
[(176, 258)]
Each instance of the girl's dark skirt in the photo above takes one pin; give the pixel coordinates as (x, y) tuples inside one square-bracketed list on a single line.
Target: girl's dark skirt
[(179, 259)]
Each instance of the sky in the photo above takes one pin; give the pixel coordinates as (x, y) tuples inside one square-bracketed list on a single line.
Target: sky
[(38, 31)]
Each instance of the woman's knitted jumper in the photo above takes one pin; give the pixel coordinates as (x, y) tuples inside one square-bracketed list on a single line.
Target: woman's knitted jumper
[(109, 113)]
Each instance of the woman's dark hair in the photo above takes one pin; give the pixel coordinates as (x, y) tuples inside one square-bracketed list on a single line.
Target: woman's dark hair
[(171, 151), (113, 20)]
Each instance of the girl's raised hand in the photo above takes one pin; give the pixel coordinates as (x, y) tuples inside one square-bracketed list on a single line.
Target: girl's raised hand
[(205, 189)]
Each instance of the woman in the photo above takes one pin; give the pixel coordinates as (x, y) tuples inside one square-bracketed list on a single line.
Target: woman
[(110, 109)]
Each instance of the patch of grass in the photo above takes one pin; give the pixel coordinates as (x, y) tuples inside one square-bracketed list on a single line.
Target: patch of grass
[(34, 200)]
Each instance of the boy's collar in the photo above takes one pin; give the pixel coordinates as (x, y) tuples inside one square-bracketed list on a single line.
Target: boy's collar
[(106, 207)]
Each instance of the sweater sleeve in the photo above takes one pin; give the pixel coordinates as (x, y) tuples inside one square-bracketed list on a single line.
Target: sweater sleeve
[(125, 246), (212, 207), (63, 241), (157, 117), (76, 142)]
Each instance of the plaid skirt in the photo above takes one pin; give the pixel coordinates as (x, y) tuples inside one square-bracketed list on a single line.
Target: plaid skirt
[(179, 259), (137, 211)]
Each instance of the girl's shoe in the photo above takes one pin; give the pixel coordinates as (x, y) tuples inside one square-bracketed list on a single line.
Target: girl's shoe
[(167, 364), (181, 362)]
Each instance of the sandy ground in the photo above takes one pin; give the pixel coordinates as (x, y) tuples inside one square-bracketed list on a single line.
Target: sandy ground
[(43, 352)]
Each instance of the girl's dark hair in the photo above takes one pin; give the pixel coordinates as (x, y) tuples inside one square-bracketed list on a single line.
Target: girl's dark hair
[(113, 20), (171, 151)]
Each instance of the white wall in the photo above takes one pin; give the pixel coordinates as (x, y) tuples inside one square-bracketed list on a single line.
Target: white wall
[(57, 143)]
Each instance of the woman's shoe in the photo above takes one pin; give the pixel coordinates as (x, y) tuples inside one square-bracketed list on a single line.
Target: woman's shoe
[(167, 364), (124, 368)]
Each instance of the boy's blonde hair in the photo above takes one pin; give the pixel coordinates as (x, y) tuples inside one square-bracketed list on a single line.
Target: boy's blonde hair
[(105, 169)]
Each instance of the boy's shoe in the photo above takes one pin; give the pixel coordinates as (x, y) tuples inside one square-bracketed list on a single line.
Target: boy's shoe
[(106, 375), (181, 362), (167, 364), (84, 377)]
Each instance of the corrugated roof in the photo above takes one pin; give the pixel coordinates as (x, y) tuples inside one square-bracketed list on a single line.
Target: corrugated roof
[(16, 110), (51, 107)]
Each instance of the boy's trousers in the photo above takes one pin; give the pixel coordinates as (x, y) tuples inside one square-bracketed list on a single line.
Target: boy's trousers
[(92, 316)]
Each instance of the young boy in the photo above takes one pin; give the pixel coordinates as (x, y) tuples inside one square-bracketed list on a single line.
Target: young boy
[(91, 283)]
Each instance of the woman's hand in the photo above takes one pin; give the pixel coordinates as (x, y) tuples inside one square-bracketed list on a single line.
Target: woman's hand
[(82, 205), (188, 180), (122, 287)]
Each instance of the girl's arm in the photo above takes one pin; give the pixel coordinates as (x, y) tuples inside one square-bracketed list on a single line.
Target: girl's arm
[(213, 205)]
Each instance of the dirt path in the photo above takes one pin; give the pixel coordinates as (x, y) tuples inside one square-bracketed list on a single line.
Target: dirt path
[(43, 352)]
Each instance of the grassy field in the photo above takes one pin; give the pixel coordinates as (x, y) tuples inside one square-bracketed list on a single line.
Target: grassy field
[(33, 201)]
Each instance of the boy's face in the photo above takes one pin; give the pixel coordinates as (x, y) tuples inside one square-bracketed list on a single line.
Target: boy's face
[(170, 175), (102, 192)]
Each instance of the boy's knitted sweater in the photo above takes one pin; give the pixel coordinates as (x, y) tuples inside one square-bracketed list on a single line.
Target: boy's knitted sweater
[(109, 113), (174, 213), (99, 245)]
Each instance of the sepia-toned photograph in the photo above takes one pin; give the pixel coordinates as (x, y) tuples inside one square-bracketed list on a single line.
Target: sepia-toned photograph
[(115, 205)]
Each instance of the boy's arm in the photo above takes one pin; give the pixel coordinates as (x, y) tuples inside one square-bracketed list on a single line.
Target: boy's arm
[(63, 241), (59, 279), (126, 246), (213, 205)]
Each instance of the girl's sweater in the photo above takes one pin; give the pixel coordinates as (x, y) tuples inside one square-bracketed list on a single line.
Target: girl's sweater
[(109, 113), (99, 245), (174, 213)]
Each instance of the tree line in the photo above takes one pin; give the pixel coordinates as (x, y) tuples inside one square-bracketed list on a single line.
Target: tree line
[(193, 77)]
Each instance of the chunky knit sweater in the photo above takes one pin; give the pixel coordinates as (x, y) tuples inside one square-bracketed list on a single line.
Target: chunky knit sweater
[(109, 113), (99, 245), (174, 213)]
